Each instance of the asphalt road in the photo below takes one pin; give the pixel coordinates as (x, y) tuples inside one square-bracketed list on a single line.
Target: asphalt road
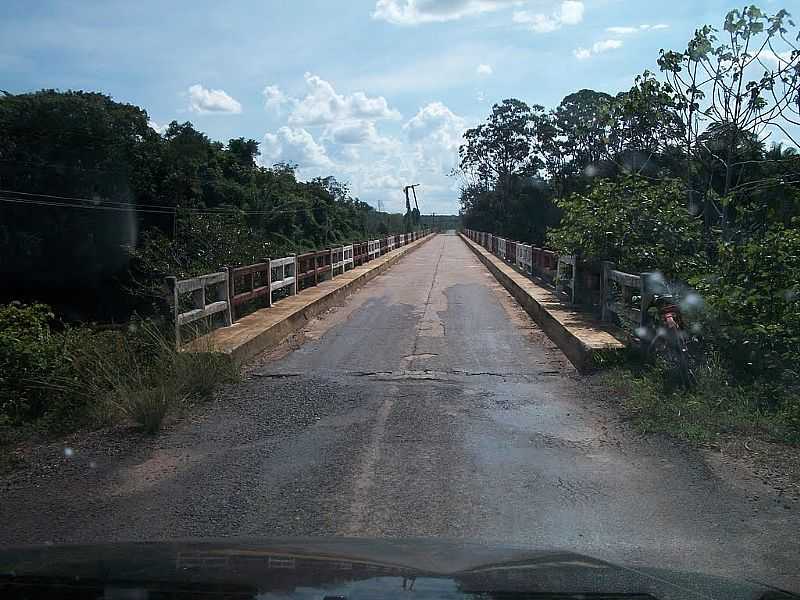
[(428, 405)]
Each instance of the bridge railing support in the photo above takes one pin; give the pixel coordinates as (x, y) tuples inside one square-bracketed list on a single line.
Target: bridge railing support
[(221, 296)]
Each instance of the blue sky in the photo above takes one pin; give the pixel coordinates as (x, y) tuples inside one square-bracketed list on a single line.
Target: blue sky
[(376, 93)]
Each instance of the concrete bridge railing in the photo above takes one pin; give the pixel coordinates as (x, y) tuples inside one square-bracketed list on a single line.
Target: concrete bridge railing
[(218, 299), (598, 285)]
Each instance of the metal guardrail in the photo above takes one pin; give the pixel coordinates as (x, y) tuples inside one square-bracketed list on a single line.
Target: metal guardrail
[(360, 253), (227, 292), (625, 296), (567, 277), (283, 275), (341, 258)]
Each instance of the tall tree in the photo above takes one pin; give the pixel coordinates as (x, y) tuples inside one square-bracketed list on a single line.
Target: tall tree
[(502, 149), (745, 86)]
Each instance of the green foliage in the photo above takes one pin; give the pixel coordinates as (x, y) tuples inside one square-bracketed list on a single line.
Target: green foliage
[(503, 147), (35, 362), (28, 351), (641, 226), (754, 297), (195, 204), (138, 375), (63, 379)]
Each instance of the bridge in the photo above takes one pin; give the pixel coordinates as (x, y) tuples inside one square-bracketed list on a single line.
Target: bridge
[(423, 400)]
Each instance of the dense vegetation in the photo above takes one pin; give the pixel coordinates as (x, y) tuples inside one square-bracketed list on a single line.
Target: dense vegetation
[(96, 208), (93, 201), (680, 174)]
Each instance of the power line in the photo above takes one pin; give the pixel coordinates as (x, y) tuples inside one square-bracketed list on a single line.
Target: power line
[(127, 207), (134, 206), (77, 198), (33, 202)]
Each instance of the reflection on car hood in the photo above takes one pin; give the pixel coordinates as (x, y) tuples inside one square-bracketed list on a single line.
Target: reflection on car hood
[(347, 568)]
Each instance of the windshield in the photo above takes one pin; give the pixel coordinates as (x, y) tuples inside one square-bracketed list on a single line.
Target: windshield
[(509, 272)]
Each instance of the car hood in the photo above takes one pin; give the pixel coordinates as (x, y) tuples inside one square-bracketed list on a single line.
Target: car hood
[(353, 568)]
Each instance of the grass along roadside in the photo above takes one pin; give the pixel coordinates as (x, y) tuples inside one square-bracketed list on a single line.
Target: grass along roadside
[(715, 409), (57, 380)]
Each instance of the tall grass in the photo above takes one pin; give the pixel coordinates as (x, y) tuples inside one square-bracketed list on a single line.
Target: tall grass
[(139, 376), (715, 406)]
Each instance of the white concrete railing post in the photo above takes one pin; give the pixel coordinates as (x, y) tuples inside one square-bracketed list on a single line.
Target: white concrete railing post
[(200, 309)]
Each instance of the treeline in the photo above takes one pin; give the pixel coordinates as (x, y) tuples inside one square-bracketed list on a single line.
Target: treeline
[(686, 173), (96, 206)]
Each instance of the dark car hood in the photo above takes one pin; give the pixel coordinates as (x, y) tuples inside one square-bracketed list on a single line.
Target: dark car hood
[(351, 568)]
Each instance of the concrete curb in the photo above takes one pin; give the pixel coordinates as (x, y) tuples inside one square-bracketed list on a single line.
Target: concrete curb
[(266, 328), (580, 338)]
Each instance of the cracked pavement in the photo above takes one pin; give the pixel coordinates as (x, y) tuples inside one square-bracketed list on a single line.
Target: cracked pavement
[(428, 405)]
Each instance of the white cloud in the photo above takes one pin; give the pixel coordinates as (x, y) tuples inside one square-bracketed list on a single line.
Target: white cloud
[(329, 133), (604, 45), (570, 12), (274, 98), (295, 145), (205, 101), (582, 53), (629, 29), (484, 70), (536, 22), (355, 132), (435, 120), (781, 59), (597, 48), (159, 128), (415, 12), (322, 105)]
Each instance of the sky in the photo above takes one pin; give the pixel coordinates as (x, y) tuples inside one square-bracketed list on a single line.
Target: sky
[(375, 92)]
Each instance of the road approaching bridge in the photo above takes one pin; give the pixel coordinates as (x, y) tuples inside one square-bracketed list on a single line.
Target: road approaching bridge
[(428, 405)]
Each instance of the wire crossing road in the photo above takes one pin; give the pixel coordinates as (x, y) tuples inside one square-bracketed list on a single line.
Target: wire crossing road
[(428, 405)]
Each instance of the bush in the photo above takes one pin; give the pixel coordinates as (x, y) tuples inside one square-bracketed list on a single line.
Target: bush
[(64, 379), (753, 296), (31, 355), (139, 375), (147, 407), (641, 226)]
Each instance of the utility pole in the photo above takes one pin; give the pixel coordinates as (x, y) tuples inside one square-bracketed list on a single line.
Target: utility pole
[(414, 193)]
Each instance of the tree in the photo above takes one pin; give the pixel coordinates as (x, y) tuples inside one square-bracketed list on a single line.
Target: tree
[(582, 119), (645, 129), (638, 224), (96, 204), (502, 149), (744, 86)]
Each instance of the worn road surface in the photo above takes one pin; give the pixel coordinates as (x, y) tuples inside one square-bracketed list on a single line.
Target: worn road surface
[(428, 405)]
